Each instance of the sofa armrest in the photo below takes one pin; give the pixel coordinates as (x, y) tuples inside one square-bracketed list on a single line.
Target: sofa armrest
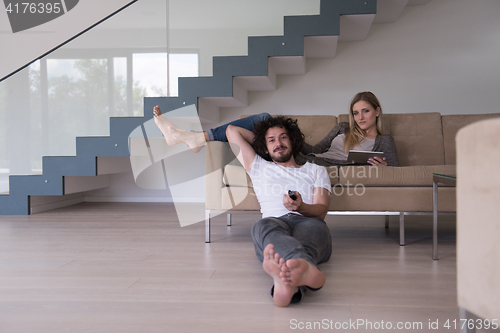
[(478, 195), (217, 156)]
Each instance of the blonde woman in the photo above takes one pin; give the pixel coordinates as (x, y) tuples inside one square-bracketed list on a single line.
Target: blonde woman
[(363, 132)]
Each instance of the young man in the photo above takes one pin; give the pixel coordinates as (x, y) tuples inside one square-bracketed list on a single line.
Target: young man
[(292, 238)]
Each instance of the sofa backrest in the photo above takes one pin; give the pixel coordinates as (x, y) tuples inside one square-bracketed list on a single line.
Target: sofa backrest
[(418, 137), (315, 128), (421, 138), (451, 125)]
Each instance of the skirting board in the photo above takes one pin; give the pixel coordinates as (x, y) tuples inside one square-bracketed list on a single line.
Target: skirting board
[(39, 204), (143, 199)]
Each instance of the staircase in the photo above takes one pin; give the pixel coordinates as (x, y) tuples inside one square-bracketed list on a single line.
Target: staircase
[(314, 36)]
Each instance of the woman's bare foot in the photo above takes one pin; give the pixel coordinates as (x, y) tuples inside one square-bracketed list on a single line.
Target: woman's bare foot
[(166, 127), (272, 264), (195, 141), (157, 113), (175, 135), (299, 272)]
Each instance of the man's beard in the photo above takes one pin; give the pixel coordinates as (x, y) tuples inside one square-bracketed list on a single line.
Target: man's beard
[(281, 158)]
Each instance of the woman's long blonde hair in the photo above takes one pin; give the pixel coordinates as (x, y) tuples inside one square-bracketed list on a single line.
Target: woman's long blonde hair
[(355, 135)]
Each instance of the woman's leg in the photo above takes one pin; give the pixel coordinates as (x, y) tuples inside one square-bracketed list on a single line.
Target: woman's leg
[(219, 133), (175, 135), (196, 140)]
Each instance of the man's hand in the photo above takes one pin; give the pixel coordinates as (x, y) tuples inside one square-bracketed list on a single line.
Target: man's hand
[(290, 204), (319, 207)]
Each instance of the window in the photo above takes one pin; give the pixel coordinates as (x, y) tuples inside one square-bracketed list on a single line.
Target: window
[(58, 98)]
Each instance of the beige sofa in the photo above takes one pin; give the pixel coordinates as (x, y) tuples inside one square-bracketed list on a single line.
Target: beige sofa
[(425, 145)]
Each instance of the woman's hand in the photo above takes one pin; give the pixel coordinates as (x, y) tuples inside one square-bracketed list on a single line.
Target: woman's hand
[(377, 161)]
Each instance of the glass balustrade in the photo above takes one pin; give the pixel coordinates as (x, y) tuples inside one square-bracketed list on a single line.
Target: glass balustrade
[(107, 71)]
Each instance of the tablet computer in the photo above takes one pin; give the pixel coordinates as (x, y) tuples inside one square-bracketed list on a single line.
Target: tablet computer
[(361, 157)]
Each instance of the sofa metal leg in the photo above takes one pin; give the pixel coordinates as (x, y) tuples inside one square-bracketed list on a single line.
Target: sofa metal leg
[(401, 228), (387, 221), (207, 226), (228, 220)]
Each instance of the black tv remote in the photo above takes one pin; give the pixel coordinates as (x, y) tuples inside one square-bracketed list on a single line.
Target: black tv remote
[(292, 195)]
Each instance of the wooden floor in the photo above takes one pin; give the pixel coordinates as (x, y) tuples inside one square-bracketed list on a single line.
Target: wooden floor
[(108, 267)]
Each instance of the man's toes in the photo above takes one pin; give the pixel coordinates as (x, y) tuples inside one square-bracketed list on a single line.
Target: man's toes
[(292, 263), (282, 264), (269, 252), (277, 258)]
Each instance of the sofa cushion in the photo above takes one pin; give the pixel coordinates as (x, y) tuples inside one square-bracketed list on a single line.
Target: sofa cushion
[(343, 118), (418, 137), (235, 175), (451, 125), (239, 198), (365, 175), (333, 172), (398, 199)]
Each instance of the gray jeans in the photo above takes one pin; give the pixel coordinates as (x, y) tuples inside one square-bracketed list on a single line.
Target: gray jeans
[(294, 237)]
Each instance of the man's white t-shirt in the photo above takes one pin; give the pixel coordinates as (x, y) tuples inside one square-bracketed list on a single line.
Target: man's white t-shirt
[(270, 181)]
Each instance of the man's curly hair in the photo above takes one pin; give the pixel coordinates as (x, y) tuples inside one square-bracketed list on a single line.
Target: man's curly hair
[(291, 127)]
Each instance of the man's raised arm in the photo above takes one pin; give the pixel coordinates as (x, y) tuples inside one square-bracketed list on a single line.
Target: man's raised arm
[(240, 140)]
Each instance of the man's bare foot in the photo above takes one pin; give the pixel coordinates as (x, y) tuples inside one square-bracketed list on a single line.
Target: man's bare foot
[(166, 127), (299, 272), (272, 264), (195, 141)]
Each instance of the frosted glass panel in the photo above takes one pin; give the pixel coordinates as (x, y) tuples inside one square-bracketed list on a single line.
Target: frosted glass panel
[(150, 77), (76, 89), (77, 98), (119, 101), (4, 156), (181, 65)]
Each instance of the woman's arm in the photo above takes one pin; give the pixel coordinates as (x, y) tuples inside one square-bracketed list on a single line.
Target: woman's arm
[(386, 144), (324, 144)]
